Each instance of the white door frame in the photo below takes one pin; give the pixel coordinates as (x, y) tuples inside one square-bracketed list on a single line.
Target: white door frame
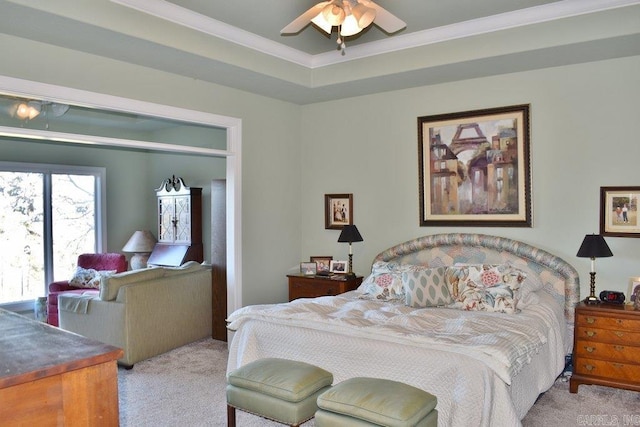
[(233, 153)]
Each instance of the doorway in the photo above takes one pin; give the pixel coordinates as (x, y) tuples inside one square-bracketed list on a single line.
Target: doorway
[(232, 154)]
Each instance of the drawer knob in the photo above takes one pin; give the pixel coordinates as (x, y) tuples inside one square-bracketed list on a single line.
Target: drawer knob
[(619, 333), (590, 349), (591, 333), (589, 367), (618, 365), (591, 320), (619, 347)]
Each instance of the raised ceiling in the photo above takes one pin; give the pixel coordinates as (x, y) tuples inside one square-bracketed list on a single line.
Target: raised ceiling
[(238, 43)]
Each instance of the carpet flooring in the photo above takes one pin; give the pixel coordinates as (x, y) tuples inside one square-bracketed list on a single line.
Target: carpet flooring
[(186, 387)]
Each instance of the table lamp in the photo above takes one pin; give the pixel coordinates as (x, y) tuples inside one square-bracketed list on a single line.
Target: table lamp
[(593, 246), (350, 234), (141, 244)]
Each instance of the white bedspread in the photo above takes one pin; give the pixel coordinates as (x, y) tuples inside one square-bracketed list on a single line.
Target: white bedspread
[(434, 349)]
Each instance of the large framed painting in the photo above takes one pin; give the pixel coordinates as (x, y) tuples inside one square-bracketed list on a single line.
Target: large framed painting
[(474, 168), (619, 211)]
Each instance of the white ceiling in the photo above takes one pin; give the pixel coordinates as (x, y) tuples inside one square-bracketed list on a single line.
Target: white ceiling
[(238, 43)]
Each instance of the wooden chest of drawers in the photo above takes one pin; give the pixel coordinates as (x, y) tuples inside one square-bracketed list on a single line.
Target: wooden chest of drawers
[(316, 286), (606, 347)]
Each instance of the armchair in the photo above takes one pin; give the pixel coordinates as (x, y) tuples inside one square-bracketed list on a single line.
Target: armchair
[(100, 262)]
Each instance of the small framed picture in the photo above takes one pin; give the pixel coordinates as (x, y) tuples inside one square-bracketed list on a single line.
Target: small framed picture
[(338, 211), (322, 263), (634, 289), (308, 268), (338, 267), (619, 211)]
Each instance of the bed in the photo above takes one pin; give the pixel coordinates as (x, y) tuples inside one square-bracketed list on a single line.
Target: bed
[(485, 367)]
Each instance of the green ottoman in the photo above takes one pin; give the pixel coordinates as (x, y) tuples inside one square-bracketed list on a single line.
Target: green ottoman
[(281, 390), (376, 402)]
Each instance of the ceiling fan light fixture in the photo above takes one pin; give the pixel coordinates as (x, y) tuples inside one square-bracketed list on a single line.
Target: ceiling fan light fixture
[(350, 27), (322, 23), (28, 111), (364, 15), (334, 13)]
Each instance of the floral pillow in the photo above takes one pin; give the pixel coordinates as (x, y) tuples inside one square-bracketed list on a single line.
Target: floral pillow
[(88, 277), (385, 281), (426, 288), (485, 287), (385, 286)]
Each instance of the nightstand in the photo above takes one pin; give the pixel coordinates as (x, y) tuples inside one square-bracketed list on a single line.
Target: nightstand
[(606, 348), (319, 286)]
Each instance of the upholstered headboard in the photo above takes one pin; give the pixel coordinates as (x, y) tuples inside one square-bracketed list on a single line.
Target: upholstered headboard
[(555, 275)]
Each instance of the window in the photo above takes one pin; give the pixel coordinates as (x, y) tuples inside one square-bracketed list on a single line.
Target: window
[(49, 214)]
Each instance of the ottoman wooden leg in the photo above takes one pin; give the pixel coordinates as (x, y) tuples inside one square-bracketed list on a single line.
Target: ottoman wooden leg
[(231, 416)]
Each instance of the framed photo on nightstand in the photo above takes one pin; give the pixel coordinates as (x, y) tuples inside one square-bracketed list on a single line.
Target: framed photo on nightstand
[(308, 268), (634, 287), (323, 263), (338, 267)]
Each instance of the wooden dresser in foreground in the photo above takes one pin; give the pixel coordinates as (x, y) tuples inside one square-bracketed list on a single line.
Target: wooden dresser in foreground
[(50, 377), (317, 286), (606, 347)]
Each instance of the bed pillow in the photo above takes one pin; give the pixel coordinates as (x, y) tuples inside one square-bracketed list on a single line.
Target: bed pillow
[(485, 287), (88, 277), (426, 288), (385, 281), (385, 286)]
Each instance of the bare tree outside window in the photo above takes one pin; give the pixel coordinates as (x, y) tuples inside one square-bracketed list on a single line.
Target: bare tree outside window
[(23, 196)]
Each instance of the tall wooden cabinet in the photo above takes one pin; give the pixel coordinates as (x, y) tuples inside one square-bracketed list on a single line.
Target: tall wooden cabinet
[(179, 224)]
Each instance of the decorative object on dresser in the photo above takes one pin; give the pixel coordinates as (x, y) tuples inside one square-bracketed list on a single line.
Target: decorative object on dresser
[(350, 234), (141, 244), (308, 268), (634, 289), (179, 224), (338, 211), (316, 286), (593, 246), (323, 263), (338, 267), (606, 347)]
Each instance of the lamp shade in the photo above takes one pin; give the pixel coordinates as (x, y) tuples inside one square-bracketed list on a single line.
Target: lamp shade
[(334, 13), (594, 246), (350, 234), (140, 242), (364, 15)]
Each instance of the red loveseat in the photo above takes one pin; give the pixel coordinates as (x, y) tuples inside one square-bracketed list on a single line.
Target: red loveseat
[(99, 262)]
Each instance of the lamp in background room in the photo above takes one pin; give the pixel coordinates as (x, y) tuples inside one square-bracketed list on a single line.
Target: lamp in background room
[(141, 244), (350, 234), (593, 246)]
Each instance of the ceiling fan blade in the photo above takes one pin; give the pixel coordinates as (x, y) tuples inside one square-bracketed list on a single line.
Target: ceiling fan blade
[(385, 19), (303, 20)]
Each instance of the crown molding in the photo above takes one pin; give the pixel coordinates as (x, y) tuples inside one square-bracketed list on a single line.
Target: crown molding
[(519, 18)]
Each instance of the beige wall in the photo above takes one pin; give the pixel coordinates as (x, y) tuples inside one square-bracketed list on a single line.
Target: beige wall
[(582, 137), (271, 151)]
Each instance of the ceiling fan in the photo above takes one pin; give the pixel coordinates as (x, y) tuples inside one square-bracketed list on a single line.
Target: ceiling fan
[(350, 16)]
